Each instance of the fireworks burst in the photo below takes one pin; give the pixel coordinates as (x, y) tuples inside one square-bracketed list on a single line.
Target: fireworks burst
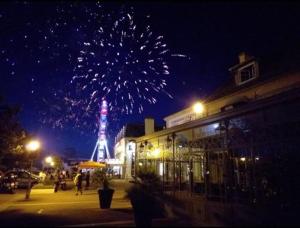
[(124, 62), (86, 51)]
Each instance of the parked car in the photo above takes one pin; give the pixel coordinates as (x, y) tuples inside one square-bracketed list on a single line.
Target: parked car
[(22, 177), (8, 183)]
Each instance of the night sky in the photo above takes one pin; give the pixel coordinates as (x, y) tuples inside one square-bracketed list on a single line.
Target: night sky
[(59, 59)]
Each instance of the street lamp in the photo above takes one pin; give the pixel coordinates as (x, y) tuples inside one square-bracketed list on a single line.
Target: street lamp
[(49, 159), (198, 107), (31, 147)]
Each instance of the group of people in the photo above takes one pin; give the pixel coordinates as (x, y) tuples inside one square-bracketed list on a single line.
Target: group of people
[(78, 181), (60, 180)]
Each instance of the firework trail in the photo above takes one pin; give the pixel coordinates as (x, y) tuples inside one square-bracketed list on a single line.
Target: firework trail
[(122, 61), (87, 51)]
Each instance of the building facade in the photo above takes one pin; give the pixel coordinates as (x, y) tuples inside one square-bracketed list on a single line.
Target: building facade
[(244, 146), (125, 146)]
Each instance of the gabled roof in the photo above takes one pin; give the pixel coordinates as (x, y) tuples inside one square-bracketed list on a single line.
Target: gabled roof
[(271, 66)]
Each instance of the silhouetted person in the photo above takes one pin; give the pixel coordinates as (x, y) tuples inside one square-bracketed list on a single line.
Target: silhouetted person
[(63, 183), (57, 180), (87, 180), (78, 182), (67, 174)]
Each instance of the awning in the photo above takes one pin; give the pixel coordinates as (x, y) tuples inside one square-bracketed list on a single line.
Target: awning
[(91, 164)]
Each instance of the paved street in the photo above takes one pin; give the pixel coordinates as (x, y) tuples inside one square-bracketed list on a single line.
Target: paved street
[(64, 208)]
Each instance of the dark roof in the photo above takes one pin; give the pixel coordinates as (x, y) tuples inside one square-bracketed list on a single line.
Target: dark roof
[(158, 128), (270, 66), (134, 130)]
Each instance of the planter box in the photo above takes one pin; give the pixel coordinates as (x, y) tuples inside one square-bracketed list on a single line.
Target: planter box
[(145, 209), (105, 197)]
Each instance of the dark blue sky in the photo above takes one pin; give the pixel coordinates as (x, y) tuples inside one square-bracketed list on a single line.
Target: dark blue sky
[(35, 63)]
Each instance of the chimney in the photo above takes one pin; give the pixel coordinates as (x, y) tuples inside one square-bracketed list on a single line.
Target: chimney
[(243, 57), (149, 125)]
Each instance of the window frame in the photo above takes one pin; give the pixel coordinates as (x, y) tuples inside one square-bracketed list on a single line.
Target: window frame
[(255, 72)]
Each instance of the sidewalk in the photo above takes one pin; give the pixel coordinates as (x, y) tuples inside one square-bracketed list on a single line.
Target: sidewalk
[(9, 199), (64, 208), (46, 208)]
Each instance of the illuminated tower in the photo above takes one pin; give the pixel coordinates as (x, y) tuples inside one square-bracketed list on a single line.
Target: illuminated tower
[(101, 144)]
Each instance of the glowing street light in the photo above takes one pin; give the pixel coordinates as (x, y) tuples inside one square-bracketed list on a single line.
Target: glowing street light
[(49, 159), (198, 108), (31, 146), (156, 153)]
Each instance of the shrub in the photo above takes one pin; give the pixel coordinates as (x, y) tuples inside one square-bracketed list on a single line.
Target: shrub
[(99, 178), (145, 195)]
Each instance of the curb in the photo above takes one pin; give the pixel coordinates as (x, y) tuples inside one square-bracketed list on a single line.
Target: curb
[(114, 223), (131, 223)]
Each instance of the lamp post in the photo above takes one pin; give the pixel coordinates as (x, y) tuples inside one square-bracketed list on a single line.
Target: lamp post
[(145, 155), (173, 135), (198, 108), (31, 147), (139, 157)]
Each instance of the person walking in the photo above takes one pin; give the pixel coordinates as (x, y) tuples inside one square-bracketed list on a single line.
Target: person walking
[(57, 180), (78, 182), (87, 180), (63, 183), (67, 174)]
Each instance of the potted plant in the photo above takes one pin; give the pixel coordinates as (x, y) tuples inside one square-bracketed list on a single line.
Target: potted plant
[(105, 193), (145, 196)]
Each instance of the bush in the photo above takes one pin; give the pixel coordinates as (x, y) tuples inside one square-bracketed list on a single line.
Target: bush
[(145, 195), (99, 178), (48, 181)]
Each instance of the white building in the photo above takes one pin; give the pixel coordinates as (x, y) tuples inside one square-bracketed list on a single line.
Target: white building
[(125, 146)]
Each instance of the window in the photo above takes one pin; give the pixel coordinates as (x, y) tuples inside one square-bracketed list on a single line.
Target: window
[(247, 73)]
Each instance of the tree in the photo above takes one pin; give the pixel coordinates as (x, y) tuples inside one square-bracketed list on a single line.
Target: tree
[(58, 163), (12, 135)]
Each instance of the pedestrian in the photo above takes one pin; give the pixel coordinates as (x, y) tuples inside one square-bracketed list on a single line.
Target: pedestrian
[(63, 183), (63, 173), (67, 174), (87, 180), (78, 182), (56, 181)]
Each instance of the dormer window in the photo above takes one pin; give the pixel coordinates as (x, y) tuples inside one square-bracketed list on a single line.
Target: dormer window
[(246, 70), (247, 73)]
